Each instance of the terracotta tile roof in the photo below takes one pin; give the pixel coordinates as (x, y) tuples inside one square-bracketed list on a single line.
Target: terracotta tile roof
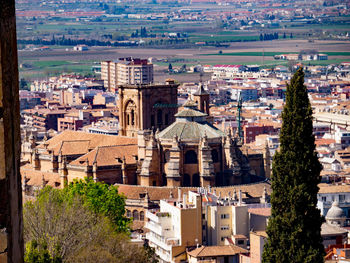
[(154, 192), (213, 251), (158, 193), (322, 141), (34, 177), (329, 188), (93, 138), (108, 155), (260, 211), (72, 147)]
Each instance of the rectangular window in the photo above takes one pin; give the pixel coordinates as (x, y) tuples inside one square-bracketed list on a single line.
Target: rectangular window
[(341, 198), (324, 198), (225, 216)]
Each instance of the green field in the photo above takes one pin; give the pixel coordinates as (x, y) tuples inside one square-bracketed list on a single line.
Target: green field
[(40, 69), (46, 64)]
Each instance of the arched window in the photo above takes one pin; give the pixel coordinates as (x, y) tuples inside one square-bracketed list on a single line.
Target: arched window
[(215, 155), (128, 213), (195, 180), (129, 113), (186, 180), (191, 157), (135, 215), (142, 216)]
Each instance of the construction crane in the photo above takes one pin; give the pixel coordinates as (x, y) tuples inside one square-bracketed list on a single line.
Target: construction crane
[(239, 111)]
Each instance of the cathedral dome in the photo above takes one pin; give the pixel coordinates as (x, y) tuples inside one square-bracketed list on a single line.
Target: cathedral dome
[(335, 212), (190, 125)]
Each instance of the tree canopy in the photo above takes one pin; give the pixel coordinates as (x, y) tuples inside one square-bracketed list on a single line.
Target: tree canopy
[(101, 199), (294, 229), (82, 223)]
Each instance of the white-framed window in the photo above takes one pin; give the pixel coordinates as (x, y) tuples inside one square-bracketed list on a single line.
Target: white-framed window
[(225, 216), (224, 227)]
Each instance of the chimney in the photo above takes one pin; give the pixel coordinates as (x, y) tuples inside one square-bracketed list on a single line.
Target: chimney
[(240, 197), (184, 200)]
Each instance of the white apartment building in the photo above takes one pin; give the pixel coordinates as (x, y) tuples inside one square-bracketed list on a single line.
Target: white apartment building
[(126, 71), (334, 193), (176, 226)]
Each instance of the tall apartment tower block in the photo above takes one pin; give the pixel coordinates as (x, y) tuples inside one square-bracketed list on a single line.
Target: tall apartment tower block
[(126, 71)]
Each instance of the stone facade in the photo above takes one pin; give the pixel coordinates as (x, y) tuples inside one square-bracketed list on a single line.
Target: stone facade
[(145, 107), (190, 152)]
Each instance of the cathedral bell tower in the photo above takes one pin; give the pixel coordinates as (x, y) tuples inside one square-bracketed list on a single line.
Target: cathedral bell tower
[(143, 107), (201, 97)]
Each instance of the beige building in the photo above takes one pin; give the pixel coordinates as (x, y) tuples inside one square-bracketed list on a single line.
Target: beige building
[(175, 227), (126, 71), (257, 242), (227, 221)]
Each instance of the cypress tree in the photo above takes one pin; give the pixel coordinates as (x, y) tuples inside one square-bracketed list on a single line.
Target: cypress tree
[(294, 229)]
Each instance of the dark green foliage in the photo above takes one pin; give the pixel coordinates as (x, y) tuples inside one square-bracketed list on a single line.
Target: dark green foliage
[(295, 223), (102, 199)]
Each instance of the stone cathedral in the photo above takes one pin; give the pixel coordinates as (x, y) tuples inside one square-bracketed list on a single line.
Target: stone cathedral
[(160, 144), (178, 148)]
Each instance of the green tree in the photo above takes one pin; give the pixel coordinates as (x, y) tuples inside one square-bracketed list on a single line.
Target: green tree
[(101, 199), (294, 229), (60, 226)]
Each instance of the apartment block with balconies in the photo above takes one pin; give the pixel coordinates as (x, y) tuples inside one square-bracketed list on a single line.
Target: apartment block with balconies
[(176, 226), (126, 71)]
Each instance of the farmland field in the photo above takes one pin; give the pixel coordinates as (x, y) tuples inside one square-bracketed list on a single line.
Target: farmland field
[(57, 60)]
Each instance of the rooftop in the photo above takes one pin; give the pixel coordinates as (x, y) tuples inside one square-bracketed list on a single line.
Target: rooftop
[(214, 251)]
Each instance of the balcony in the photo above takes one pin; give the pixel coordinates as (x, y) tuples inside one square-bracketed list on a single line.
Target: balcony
[(157, 241), (152, 216), (163, 256), (155, 228)]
